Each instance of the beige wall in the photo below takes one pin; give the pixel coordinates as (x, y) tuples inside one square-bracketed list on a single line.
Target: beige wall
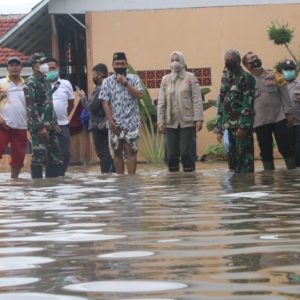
[(202, 34)]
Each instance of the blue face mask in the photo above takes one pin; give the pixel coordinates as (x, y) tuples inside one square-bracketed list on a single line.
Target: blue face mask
[(52, 75), (289, 75)]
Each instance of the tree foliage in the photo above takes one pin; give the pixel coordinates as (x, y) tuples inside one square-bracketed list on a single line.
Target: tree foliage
[(280, 34)]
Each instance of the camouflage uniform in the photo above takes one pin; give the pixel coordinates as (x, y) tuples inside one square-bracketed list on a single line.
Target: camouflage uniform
[(235, 111), (40, 113)]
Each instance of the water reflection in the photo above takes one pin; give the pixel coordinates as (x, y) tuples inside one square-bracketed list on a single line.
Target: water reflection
[(156, 236), (37, 296)]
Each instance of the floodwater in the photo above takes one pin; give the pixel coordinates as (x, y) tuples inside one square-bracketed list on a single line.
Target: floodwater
[(209, 235)]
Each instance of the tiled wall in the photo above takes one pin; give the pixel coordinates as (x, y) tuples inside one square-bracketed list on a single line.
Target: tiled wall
[(152, 79)]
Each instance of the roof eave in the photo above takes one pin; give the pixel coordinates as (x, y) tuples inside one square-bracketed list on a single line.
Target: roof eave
[(7, 39)]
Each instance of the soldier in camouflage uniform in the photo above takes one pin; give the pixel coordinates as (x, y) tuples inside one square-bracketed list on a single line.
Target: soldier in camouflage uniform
[(235, 113), (42, 123)]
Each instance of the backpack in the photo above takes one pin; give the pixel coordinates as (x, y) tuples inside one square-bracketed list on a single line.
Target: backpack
[(85, 117)]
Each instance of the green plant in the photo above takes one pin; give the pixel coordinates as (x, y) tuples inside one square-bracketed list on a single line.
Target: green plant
[(215, 152), (211, 124), (282, 35), (151, 142), (148, 104), (205, 90), (208, 104), (278, 66)]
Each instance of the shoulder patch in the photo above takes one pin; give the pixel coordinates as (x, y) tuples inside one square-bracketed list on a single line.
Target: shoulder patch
[(280, 81)]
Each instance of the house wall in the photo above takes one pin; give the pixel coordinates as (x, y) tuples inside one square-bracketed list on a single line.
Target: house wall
[(202, 34), (79, 6)]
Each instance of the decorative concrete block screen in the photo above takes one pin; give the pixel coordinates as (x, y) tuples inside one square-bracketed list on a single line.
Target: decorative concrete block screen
[(152, 78)]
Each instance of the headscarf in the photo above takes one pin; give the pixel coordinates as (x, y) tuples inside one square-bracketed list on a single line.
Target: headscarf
[(181, 59), (174, 76)]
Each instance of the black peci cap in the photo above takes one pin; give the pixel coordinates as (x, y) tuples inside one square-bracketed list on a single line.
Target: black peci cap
[(119, 56)]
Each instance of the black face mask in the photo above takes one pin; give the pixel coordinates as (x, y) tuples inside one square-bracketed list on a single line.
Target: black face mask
[(256, 63), (97, 80), (121, 71), (231, 65)]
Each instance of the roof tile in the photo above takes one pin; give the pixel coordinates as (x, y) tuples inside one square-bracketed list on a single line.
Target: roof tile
[(6, 23)]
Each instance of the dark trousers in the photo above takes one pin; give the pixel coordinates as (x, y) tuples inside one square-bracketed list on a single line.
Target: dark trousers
[(241, 152), (64, 143), (100, 138), (179, 145), (194, 149), (295, 141), (265, 140)]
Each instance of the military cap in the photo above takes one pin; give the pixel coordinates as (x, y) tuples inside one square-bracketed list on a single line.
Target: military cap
[(119, 56), (38, 57), (288, 65)]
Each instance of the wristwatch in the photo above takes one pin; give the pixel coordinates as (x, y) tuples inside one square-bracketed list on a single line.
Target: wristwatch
[(125, 84)]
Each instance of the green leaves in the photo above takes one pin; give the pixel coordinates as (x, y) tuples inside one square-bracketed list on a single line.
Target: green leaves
[(151, 143), (148, 104), (215, 152), (280, 34), (211, 124)]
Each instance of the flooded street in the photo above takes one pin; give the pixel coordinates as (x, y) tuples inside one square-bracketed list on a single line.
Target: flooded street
[(208, 235)]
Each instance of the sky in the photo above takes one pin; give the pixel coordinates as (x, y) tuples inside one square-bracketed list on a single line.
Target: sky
[(16, 6)]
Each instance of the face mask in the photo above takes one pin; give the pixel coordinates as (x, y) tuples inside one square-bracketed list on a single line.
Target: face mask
[(256, 64), (289, 75), (121, 71), (97, 80), (176, 66), (44, 68), (231, 65), (52, 76)]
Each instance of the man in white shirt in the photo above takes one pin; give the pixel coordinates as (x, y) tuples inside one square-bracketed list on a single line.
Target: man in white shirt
[(63, 101), (13, 119)]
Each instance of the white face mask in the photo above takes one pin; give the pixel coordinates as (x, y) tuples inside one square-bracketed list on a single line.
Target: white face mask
[(44, 68), (176, 66)]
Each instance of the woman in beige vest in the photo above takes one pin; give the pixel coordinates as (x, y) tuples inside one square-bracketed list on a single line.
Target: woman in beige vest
[(180, 113)]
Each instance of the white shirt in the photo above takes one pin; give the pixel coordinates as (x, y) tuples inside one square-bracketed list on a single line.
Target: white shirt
[(14, 110), (61, 96)]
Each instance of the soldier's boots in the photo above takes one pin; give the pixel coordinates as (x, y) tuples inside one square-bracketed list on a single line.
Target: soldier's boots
[(36, 171), (268, 165), (290, 162)]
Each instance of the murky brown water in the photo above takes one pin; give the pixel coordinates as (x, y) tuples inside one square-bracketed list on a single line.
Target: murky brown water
[(155, 236)]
